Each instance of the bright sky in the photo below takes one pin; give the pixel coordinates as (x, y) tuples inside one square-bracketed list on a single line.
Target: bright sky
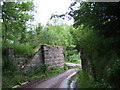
[(47, 7)]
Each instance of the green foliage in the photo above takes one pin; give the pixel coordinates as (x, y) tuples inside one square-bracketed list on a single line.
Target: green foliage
[(74, 61), (10, 70), (58, 35), (18, 34), (41, 69), (112, 72), (72, 58), (36, 73), (21, 49), (84, 80), (54, 71), (9, 81), (97, 32), (66, 67), (9, 66), (15, 15), (102, 57)]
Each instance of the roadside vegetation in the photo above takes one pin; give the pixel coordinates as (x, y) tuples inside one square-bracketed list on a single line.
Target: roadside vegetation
[(74, 61), (97, 33), (24, 37), (96, 30), (73, 78), (13, 76)]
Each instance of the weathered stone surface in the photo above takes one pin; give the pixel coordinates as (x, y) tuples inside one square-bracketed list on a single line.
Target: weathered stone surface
[(51, 55)]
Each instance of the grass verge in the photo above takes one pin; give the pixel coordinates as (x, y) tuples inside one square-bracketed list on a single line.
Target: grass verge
[(10, 81), (76, 62), (71, 79), (52, 72), (84, 80)]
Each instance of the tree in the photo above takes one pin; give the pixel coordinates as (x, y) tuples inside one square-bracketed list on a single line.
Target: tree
[(15, 15), (98, 34)]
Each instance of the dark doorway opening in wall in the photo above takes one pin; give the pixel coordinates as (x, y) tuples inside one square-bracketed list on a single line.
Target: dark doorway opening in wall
[(42, 53)]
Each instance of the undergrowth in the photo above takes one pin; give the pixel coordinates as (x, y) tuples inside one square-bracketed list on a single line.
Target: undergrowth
[(75, 61), (21, 49), (13, 76), (85, 80), (53, 71)]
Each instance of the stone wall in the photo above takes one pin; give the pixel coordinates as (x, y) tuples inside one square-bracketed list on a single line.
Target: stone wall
[(53, 55), (35, 61), (50, 55), (21, 59)]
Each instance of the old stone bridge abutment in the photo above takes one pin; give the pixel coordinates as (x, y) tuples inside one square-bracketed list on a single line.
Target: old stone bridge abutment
[(45, 54)]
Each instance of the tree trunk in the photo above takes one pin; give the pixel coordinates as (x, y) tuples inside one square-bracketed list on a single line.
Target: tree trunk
[(5, 32), (85, 61)]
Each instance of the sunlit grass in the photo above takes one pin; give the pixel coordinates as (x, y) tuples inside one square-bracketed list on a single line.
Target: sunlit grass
[(54, 71), (76, 62)]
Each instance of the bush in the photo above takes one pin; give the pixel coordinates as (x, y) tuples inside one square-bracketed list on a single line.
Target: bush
[(84, 80), (21, 49), (9, 66), (36, 73), (11, 75), (40, 69), (65, 67), (55, 70), (113, 73)]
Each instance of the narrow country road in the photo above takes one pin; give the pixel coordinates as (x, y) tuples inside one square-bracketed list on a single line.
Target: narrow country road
[(58, 81), (73, 64)]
